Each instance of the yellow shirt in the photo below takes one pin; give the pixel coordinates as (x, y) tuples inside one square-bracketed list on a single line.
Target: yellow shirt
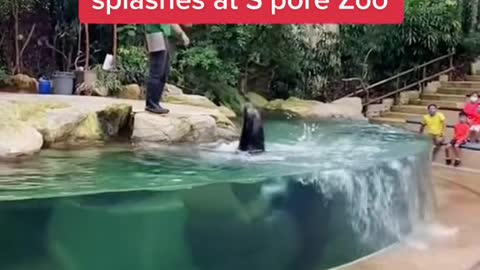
[(435, 124)]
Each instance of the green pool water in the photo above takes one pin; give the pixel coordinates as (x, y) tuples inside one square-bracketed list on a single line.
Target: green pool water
[(322, 195)]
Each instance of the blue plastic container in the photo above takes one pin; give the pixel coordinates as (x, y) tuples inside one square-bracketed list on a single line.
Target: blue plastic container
[(44, 86)]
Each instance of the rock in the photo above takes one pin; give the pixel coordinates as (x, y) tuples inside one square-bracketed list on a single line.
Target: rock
[(193, 100), (131, 91), (105, 123), (159, 129), (24, 83), (199, 128), (227, 112), (59, 124), (350, 108), (257, 100), (18, 141), (83, 120), (171, 90)]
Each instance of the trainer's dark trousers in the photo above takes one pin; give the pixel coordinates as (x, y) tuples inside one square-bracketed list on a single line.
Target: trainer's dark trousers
[(159, 71)]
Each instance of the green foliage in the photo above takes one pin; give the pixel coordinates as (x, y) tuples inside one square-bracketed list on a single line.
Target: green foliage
[(133, 64), (470, 46), (131, 35), (3, 76), (111, 81)]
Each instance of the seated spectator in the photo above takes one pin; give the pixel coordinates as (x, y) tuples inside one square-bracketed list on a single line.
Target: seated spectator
[(462, 131), (475, 127), (434, 121)]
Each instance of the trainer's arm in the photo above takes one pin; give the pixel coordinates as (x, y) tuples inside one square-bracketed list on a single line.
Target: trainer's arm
[(180, 33), (177, 29)]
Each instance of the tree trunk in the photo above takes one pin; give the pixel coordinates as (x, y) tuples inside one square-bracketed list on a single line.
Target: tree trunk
[(15, 11), (115, 47), (87, 47), (474, 16)]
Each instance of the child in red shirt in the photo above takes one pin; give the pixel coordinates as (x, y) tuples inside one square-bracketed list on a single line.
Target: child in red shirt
[(462, 131), (471, 106), (475, 126)]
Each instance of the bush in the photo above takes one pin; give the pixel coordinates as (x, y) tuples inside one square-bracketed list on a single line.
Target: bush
[(3, 76), (133, 64), (469, 47)]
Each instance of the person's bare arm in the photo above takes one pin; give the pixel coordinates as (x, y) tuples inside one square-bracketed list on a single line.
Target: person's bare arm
[(180, 33), (422, 128)]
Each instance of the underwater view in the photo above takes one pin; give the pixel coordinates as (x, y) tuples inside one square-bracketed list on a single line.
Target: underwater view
[(322, 195)]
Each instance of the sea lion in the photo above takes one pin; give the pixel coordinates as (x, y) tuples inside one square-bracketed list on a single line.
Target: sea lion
[(252, 139)]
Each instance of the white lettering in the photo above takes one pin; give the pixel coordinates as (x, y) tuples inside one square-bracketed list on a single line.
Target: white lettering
[(100, 4), (382, 7), (183, 4), (221, 4), (344, 6), (258, 6), (151, 4), (276, 7), (111, 7), (198, 4), (322, 4), (136, 4)]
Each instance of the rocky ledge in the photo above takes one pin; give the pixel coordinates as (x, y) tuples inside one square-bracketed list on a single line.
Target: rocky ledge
[(346, 108), (29, 123)]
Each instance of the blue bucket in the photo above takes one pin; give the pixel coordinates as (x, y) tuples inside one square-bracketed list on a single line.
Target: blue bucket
[(44, 86)]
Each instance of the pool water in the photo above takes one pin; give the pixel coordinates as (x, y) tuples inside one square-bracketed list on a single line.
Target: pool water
[(323, 194)]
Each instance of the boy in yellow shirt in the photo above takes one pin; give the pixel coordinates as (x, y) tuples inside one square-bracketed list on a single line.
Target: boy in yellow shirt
[(434, 121)]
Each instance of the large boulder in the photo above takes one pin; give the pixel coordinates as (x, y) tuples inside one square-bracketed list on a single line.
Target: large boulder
[(193, 100), (103, 124), (19, 140), (257, 100), (131, 91), (24, 83), (173, 94), (198, 128), (350, 108)]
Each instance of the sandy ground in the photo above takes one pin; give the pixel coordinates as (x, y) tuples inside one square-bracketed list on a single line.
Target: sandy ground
[(452, 244)]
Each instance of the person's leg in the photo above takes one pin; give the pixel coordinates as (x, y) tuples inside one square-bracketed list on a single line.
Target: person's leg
[(155, 79), (438, 143), (476, 134), (448, 159), (456, 151)]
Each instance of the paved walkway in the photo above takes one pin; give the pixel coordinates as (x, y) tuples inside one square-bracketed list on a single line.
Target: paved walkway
[(458, 198)]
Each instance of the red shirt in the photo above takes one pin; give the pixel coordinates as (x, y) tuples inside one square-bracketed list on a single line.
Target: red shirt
[(462, 131), (470, 110), (476, 119)]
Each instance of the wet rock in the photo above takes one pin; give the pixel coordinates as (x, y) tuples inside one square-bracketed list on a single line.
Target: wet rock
[(131, 91), (350, 108), (24, 83), (103, 124), (18, 141), (257, 100)]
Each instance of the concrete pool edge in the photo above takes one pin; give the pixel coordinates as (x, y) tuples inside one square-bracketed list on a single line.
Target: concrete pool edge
[(458, 191), (365, 258)]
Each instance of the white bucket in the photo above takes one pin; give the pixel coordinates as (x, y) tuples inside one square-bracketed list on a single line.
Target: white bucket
[(156, 42), (108, 63)]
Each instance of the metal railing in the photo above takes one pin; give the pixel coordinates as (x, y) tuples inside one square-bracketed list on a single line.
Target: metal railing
[(367, 89)]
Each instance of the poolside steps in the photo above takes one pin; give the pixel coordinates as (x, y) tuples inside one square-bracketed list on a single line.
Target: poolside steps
[(442, 104), (456, 91), (475, 78)]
